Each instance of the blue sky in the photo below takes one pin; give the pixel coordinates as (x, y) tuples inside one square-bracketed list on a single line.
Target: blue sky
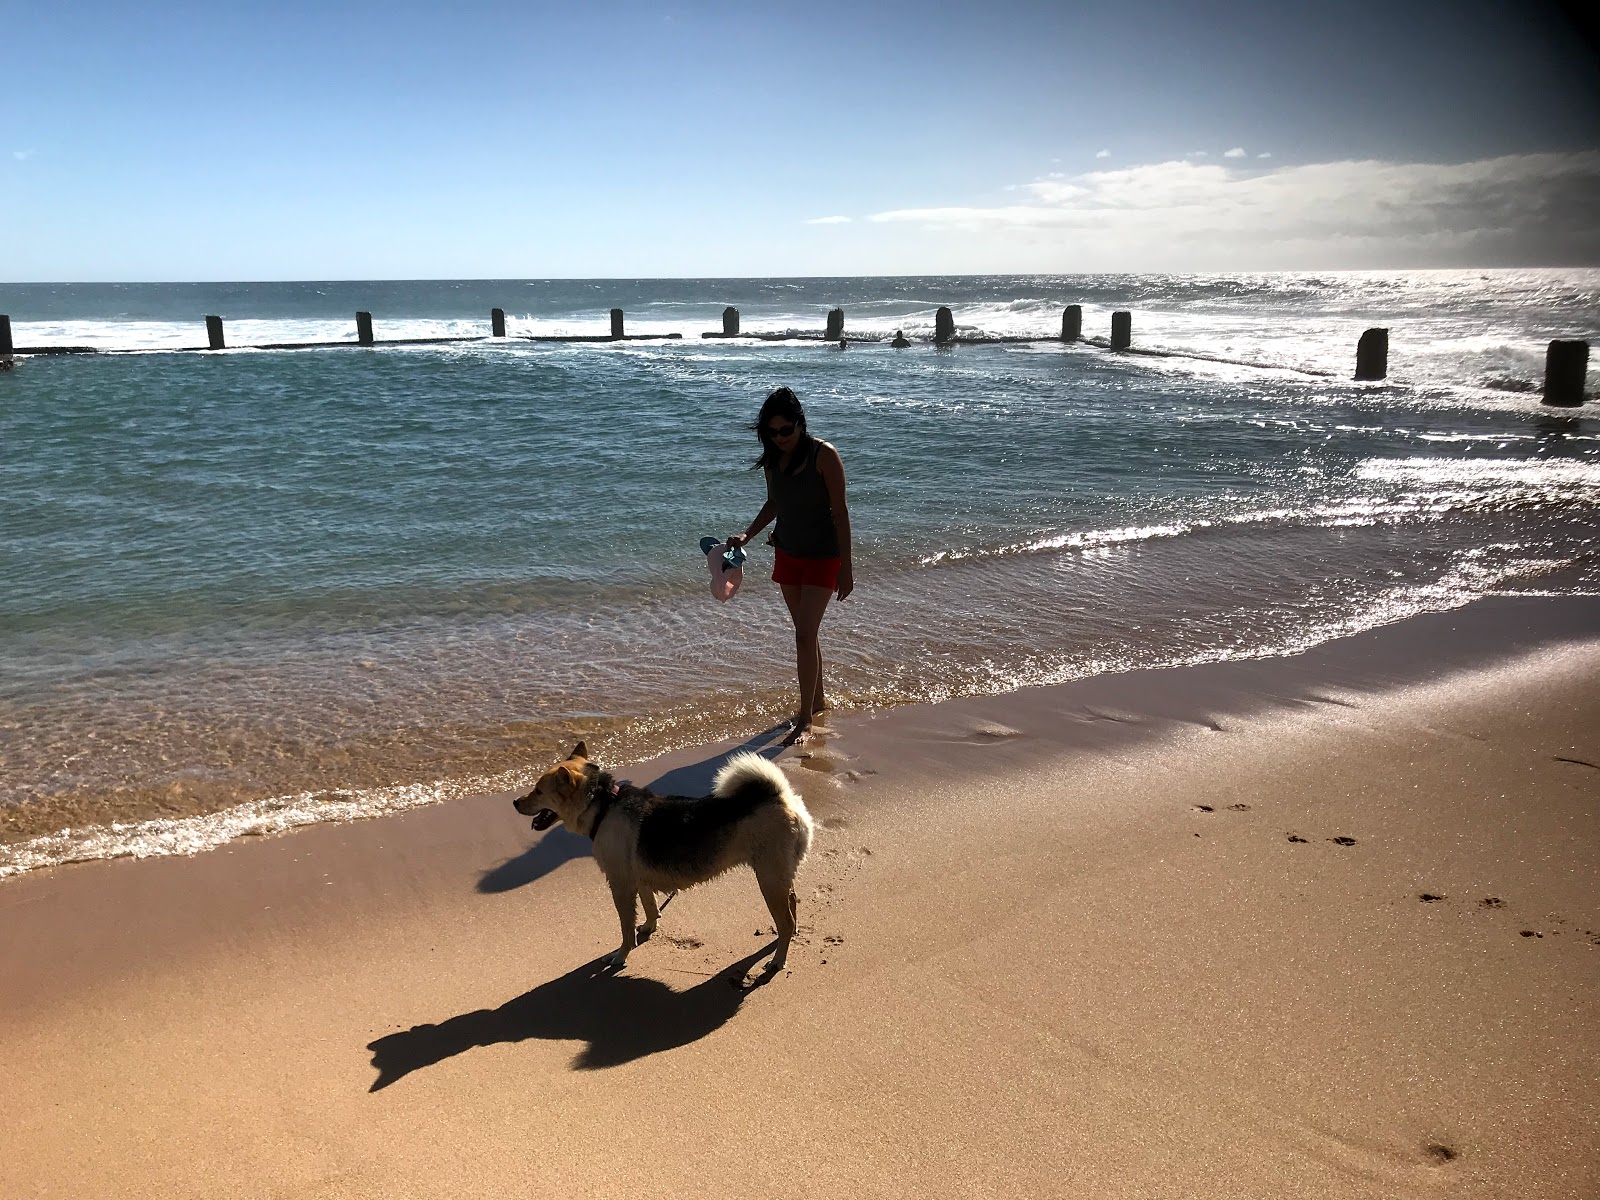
[(484, 140)]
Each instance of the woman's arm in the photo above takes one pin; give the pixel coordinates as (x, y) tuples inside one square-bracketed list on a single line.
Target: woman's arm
[(832, 468), (768, 511)]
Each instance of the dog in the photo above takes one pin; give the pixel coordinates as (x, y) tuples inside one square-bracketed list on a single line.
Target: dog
[(645, 843)]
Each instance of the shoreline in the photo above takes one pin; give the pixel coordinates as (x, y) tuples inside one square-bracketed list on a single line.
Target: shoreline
[(183, 824), (1100, 938)]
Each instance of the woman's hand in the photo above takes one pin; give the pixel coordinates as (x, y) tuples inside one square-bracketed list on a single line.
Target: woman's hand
[(847, 581)]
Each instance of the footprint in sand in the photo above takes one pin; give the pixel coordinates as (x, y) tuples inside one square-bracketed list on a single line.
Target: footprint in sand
[(1343, 841), (1295, 837), (1094, 714), (836, 823), (1334, 700), (1439, 1154), (1429, 897), (993, 729)]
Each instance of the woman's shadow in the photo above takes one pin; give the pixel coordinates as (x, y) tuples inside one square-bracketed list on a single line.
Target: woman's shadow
[(620, 1018), (561, 846)]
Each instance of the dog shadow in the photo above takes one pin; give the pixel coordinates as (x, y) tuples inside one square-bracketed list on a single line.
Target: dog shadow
[(560, 845), (618, 1017)]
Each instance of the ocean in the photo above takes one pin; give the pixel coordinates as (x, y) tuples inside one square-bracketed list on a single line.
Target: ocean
[(251, 589)]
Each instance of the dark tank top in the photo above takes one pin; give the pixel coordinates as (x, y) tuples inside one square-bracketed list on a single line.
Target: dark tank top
[(805, 514)]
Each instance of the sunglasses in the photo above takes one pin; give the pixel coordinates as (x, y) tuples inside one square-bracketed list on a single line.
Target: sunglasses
[(780, 431)]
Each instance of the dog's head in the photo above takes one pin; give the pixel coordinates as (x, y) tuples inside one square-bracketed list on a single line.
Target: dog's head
[(560, 794)]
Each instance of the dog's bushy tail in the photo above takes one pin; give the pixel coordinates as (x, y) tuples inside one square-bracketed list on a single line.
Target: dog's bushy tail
[(747, 770)]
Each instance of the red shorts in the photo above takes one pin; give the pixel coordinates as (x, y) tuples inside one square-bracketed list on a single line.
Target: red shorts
[(815, 572)]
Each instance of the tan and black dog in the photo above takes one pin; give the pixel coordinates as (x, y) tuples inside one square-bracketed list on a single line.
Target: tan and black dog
[(645, 843)]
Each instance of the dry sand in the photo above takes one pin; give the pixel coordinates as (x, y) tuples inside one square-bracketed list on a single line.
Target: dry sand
[(1326, 926)]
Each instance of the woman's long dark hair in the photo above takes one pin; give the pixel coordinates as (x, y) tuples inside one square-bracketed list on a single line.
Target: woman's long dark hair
[(782, 402)]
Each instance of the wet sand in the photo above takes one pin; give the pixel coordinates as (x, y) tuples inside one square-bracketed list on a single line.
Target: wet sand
[(1318, 926)]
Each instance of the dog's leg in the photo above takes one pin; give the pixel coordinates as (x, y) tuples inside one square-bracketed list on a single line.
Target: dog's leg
[(783, 906), (626, 897), (647, 897)]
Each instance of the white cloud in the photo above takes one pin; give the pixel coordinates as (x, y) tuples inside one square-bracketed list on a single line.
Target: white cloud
[(827, 221), (1103, 154), (1197, 154), (1236, 152), (21, 155), (1264, 154), (1181, 215)]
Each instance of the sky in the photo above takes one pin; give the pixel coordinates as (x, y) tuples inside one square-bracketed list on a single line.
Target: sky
[(409, 140)]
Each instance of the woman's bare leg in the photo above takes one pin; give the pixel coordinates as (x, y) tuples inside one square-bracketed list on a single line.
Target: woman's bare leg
[(806, 606)]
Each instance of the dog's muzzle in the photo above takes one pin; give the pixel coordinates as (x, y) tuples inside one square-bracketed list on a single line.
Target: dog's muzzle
[(543, 818)]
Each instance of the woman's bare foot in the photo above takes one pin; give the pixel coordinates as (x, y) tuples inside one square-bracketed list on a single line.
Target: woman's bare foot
[(799, 729)]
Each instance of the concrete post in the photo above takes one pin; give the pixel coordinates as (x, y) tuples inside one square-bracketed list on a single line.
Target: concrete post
[(616, 323), (1565, 365), (944, 326), (1072, 323), (6, 348), (1372, 355), (835, 329), (1121, 330), (364, 328), (730, 322), (497, 322), (214, 333)]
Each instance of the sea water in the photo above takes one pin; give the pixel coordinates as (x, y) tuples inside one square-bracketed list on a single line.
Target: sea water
[(245, 590)]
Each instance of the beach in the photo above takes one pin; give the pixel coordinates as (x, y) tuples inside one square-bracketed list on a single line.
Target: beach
[(1321, 924), (249, 589)]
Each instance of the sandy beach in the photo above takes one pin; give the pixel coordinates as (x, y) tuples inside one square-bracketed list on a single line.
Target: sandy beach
[(1326, 925)]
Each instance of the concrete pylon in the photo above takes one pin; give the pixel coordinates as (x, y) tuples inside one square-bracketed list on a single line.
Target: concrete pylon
[(1372, 355), (1121, 330), (1566, 363)]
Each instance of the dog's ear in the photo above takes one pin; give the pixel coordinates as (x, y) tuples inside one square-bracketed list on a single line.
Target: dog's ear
[(579, 751)]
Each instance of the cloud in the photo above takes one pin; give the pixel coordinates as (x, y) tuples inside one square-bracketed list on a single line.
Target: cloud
[(1103, 154), (23, 155), (1236, 152), (1197, 154), (1182, 215), (1264, 154), (827, 221)]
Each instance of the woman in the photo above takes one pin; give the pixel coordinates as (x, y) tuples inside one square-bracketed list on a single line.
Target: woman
[(805, 492)]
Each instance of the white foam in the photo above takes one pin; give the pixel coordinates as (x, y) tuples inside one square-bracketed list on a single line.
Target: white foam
[(1565, 473), (192, 835)]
